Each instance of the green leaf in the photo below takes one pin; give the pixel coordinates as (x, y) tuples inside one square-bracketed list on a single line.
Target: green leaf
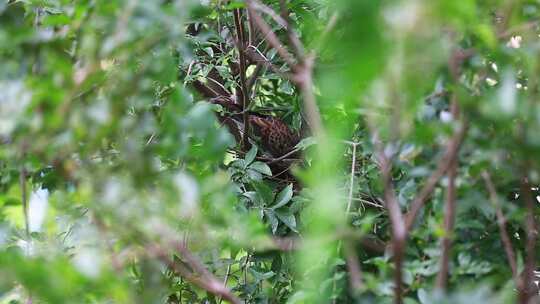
[(261, 168), (272, 219), (234, 5), (306, 142), (250, 156), (284, 197), (288, 219), (265, 192)]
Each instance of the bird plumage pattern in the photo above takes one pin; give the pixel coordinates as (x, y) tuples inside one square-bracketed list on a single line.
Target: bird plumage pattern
[(276, 136)]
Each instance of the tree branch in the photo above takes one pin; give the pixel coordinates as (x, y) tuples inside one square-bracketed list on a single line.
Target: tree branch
[(527, 287), (501, 221), (399, 232), (242, 93), (204, 279), (269, 35), (443, 165)]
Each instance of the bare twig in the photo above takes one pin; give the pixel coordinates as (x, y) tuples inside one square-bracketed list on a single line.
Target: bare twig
[(243, 93), (270, 12), (449, 209), (304, 79), (269, 35), (399, 232), (353, 267), (293, 38), (328, 28), (443, 165), (518, 29), (24, 200), (202, 278), (227, 273), (351, 186), (501, 221), (449, 217), (526, 288)]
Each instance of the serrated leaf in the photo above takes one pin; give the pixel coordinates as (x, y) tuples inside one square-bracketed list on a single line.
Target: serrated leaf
[(261, 168), (254, 175), (209, 51), (288, 219), (284, 197), (305, 143), (250, 156), (272, 219), (265, 192), (261, 276)]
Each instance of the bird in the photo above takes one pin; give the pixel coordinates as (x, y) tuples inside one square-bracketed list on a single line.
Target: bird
[(276, 136)]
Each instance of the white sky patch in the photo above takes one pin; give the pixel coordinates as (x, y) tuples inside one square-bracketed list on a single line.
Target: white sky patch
[(14, 98), (507, 93), (189, 192), (37, 209), (88, 261)]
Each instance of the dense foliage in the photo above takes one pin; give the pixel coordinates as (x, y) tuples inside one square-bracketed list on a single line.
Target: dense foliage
[(142, 151)]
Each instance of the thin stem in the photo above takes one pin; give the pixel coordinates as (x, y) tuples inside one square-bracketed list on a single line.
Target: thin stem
[(24, 200), (501, 221), (449, 218), (351, 187), (241, 44), (526, 290)]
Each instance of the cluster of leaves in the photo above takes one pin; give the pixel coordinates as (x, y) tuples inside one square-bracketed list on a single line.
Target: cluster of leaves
[(110, 157)]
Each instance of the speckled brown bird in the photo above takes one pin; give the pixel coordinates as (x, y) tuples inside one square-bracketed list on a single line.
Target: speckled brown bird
[(276, 137)]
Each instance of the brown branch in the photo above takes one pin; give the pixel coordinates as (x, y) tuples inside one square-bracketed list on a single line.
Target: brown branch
[(269, 35), (443, 165), (449, 208), (353, 267), (254, 55), (527, 287), (203, 278), (263, 8), (517, 29), (24, 203), (292, 37), (449, 218), (399, 232), (304, 80), (242, 93), (501, 221), (351, 186)]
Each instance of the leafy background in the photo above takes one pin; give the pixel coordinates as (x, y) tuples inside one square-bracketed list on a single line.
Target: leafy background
[(120, 185)]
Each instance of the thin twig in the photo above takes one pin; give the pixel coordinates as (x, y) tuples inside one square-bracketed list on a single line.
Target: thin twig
[(353, 168), (270, 12), (243, 93), (526, 288), (269, 35), (443, 165), (353, 267), (304, 79), (227, 273), (399, 232), (24, 201), (449, 210), (291, 35), (204, 279), (501, 221), (449, 218)]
